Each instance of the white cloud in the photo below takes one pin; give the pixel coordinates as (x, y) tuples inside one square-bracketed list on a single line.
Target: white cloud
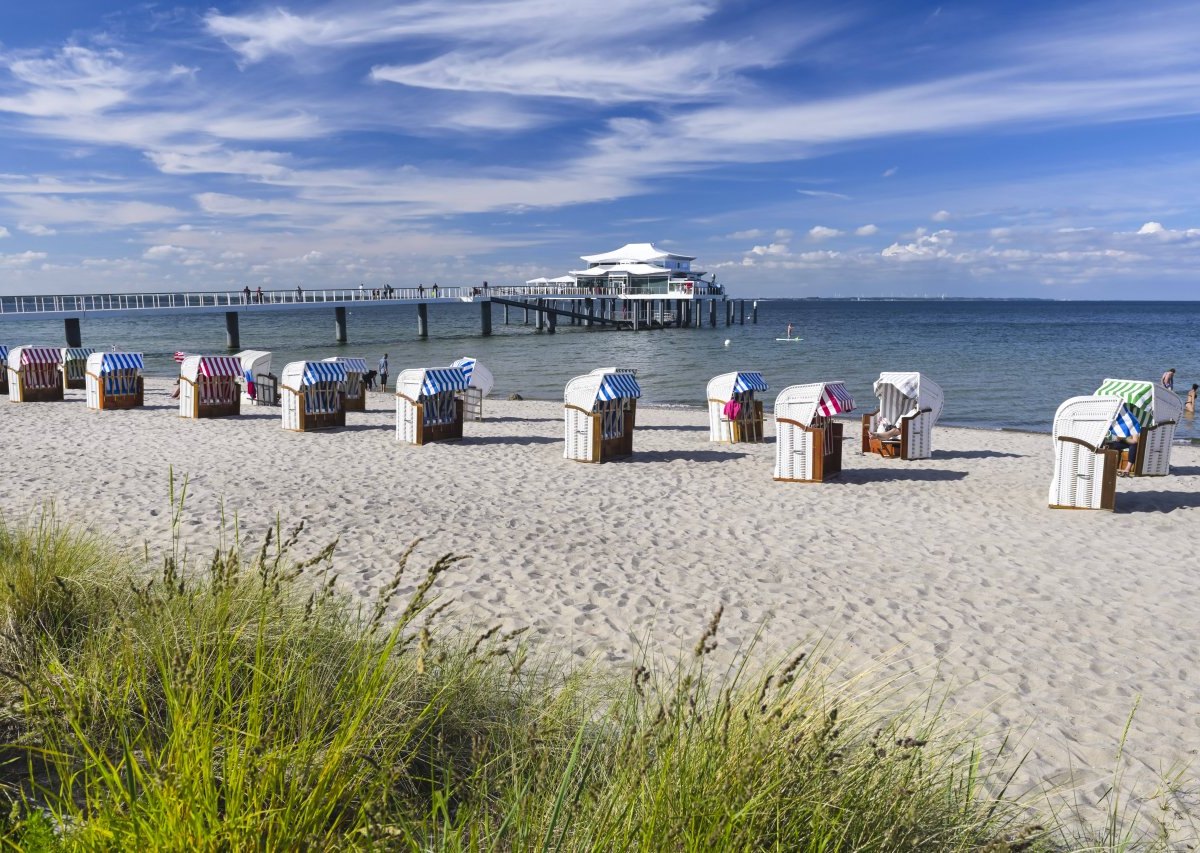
[(1151, 228), (752, 234), (22, 259), (889, 172), (926, 247), (941, 216), (822, 232), (824, 194), (771, 249), (1166, 235), (4, 232), (36, 229), (164, 252), (866, 230), (783, 233)]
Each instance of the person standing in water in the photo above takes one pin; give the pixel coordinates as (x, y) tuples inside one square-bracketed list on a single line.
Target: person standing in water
[(1168, 380)]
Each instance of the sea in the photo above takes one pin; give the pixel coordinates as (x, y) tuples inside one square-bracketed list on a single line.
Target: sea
[(1003, 364)]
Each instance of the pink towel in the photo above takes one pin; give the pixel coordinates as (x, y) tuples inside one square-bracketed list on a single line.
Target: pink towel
[(732, 409)]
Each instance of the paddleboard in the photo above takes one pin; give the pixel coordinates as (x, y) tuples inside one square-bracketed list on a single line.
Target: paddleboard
[(789, 339)]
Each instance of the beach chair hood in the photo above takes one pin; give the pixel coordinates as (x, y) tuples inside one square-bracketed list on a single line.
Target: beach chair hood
[(478, 376), (351, 363), (426, 381), (254, 361), (586, 391), (723, 387), (104, 363), (1091, 419), (1147, 401), (803, 403), (920, 391), (20, 356), (211, 366), (76, 353)]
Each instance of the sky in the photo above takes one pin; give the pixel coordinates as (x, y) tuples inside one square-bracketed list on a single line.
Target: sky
[(795, 149)]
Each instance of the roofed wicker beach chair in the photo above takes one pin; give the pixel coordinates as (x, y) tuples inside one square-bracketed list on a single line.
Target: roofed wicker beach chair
[(734, 413), (479, 384), (311, 395), (74, 366), (428, 404), (259, 385), (1157, 409), (1085, 471), (33, 375), (808, 442), (356, 389), (599, 413), (113, 380), (909, 402), (208, 386)]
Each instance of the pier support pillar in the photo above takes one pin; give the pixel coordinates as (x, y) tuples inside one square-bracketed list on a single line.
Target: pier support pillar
[(233, 337), (539, 316), (742, 311), (728, 313), (526, 321), (754, 315), (74, 336), (485, 317), (422, 320), (551, 321), (712, 313), (589, 307), (506, 314)]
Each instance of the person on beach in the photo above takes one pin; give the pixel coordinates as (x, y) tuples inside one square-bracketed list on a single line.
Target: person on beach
[(383, 372), (1127, 443), (1168, 380), (886, 429), (1189, 404)]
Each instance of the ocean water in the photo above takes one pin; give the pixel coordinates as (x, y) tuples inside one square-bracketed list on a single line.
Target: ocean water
[(1002, 364)]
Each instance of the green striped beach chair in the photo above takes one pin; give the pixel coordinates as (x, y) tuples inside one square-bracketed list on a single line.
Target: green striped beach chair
[(1157, 410)]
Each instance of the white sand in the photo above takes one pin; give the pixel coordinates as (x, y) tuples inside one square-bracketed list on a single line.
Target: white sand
[(1045, 624)]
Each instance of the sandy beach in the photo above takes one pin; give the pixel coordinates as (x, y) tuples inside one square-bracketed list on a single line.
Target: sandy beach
[(1045, 625)]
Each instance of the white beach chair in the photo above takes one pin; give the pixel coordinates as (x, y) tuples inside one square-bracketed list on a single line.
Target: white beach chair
[(33, 374), (600, 413), (208, 386), (74, 366), (808, 442), (259, 386), (428, 404), (1085, 472), (113, 380), (746, 423), (1157, 410), (911, 401), (479, 384), (311, 395)]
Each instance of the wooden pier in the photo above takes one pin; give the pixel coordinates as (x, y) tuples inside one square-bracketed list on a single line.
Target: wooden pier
[(593, 307)]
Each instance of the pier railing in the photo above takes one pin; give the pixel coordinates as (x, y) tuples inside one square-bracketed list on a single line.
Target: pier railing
[(65, 303)]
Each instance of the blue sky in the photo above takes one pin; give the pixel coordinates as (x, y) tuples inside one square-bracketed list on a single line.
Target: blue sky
[(796, 149)]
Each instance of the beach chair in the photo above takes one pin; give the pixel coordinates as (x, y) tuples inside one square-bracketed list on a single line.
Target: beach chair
[(259, 386), (429, 406), (312, 395), (33, 375), (808, 442), (600, 413), (113, 380), (1157, 409), (208, 386), (734, 413), (3, 369), (479, 385), (356, 391), (74, 367), (1085, 471), (912, 402)]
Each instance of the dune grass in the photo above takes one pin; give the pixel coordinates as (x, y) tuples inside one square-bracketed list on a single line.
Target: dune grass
[(243, 704)]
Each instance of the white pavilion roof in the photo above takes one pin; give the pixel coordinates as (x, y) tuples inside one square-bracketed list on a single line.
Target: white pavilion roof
[(631, 269), (634, 253)]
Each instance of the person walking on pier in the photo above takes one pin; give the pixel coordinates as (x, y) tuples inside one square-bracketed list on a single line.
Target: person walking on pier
[(259, 295), (435, 290), (299, 294), (362, 291), (421, 290), (246, 295)]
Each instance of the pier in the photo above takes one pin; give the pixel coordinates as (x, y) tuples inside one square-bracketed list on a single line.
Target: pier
[(591, 306)]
